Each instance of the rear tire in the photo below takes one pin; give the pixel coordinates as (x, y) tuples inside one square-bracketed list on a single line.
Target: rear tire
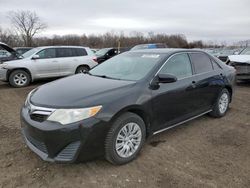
[(221, 105), (82, 69), (125, 139), (19, 78)]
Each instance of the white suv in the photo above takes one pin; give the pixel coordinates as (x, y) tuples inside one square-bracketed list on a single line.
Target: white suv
[(47, 62)]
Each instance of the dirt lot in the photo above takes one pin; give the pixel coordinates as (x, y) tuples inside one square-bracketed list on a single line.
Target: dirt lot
[(206, 152)]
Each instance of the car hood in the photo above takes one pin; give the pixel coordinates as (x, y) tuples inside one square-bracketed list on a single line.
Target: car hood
[(7, 48), (240, 58), (80, 90), (10, 50)]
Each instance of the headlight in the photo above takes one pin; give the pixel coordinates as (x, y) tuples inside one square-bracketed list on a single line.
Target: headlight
[(28, 97), (3, 66), (67, 116)]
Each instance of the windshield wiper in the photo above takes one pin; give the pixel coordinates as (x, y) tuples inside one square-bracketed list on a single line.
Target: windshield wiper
[(104, 76), (87, 72)]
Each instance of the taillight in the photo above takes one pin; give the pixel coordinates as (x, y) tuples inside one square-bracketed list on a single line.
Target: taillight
[(95, 59)]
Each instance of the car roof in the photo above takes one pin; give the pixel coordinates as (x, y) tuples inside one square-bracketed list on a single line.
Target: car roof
[(17, 48), (43, 47), (166, 50)]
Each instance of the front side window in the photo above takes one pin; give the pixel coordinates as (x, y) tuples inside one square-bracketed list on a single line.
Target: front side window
[(47, 53), (179, 65), (201, 62)]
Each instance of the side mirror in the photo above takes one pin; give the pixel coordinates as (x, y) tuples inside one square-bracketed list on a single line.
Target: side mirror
[(166, 78), (35, 56), (236, 53)]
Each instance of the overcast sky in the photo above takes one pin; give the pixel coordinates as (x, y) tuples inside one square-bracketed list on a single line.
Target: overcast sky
[(215, 20)]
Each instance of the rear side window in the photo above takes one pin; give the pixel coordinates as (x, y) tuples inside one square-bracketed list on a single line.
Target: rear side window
[(179, 66), (201, 62), (64, 52)]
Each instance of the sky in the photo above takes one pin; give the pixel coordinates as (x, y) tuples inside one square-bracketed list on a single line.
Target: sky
[(208, 20)]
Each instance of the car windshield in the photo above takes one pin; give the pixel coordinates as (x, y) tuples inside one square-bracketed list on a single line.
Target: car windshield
[(102, 51), (127, 66), (31, 52), (245, 52)]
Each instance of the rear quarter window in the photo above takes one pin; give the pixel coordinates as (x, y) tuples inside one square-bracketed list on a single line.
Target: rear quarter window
[(216, 66), (80, 52)]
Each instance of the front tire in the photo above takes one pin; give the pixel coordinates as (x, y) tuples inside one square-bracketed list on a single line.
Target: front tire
[(82, 69), (19, 78), (222, 104), (125, 139)]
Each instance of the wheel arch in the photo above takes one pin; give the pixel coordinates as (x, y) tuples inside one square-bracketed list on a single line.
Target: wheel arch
[(19, 68), (230, 90), (82, 65), (138, 111)]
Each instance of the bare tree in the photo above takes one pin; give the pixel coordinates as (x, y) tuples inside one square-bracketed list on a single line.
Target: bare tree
[(27, 24)]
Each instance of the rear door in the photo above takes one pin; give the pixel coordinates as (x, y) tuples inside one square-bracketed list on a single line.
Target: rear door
[(65, 58), (47, 64), (70, 59), (208, 79)]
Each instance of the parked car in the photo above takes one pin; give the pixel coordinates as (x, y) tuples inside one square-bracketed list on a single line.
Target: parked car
[(149, 46), (224, 53), (106, 53), (113, 109), (241, 63), (22, 50), (7, 53), (4, 53), (47, 62), (94, 50)]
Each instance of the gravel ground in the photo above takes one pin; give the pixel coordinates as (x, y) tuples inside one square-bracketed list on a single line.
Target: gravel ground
[(205, 152)]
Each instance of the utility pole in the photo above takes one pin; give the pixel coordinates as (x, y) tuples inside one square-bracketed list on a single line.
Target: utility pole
[(119, 46)]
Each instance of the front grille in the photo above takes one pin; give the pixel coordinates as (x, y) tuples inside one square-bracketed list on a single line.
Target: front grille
[(38, 144), (241, 68), (39, 114), (38, 117)]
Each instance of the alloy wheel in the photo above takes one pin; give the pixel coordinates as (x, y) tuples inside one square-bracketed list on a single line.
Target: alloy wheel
[(20, 79), (128, 140), (223, 103)]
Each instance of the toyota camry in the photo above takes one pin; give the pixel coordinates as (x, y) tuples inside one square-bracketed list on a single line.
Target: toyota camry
[(111, 110)]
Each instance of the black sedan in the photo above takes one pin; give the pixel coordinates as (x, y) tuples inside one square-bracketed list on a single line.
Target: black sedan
[(105, 54), (111, 110)]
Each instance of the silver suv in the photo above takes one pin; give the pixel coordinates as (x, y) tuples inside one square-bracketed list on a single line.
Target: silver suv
[(47, 62)]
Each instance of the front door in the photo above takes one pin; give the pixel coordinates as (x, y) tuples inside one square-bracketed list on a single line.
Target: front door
[(47, 64), (175, 102)]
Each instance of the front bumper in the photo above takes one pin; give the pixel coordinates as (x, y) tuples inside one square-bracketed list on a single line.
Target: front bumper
[(242, 70), (3, 74), (64, 144)]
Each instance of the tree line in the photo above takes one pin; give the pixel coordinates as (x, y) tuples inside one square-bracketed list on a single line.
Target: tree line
[(26, 25), (108, 39)]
